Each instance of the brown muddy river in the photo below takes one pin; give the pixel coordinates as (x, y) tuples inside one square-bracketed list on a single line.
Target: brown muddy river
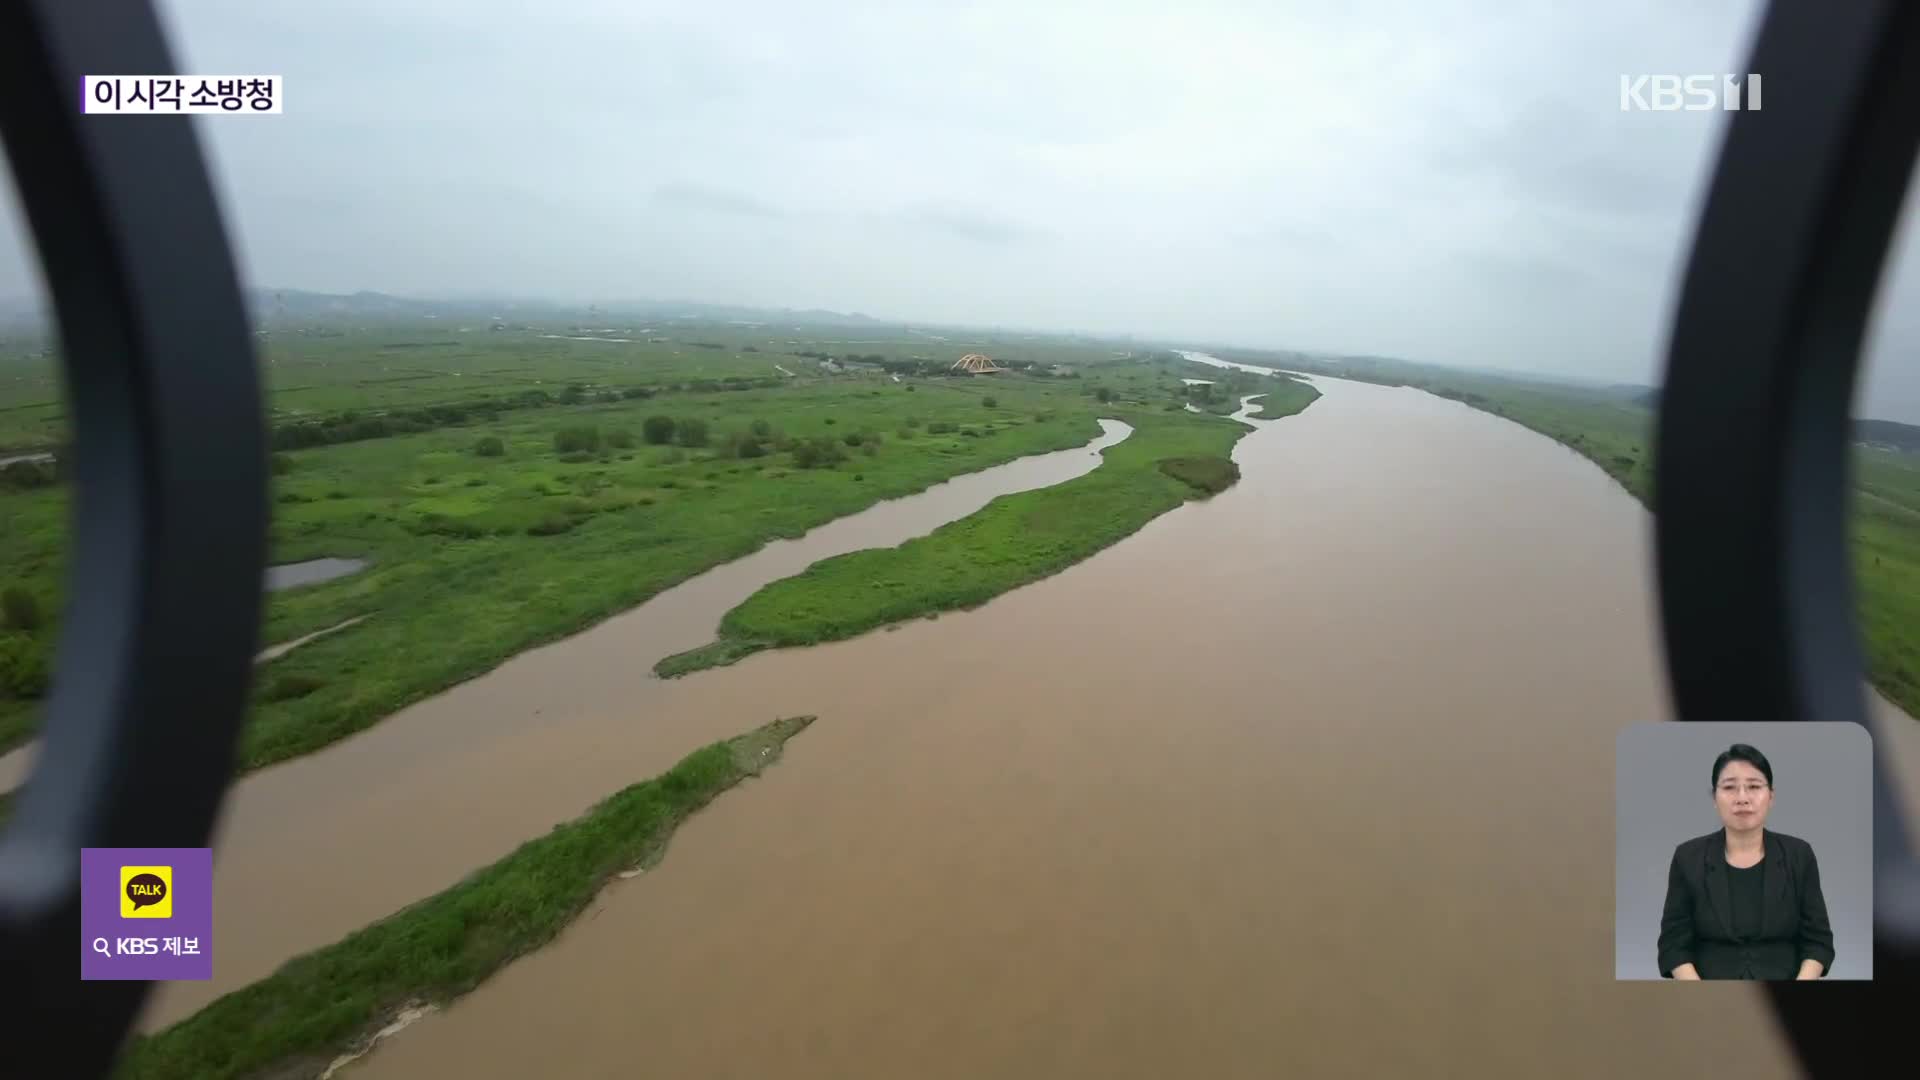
[(1315, 777)]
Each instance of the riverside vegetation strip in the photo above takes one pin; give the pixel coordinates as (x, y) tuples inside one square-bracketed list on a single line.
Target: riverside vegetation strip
[(332, 1000), (1613, 428), (489, 532), (1012, 541)]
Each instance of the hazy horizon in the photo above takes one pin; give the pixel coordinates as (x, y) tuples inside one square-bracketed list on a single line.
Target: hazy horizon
[(1452, 186)]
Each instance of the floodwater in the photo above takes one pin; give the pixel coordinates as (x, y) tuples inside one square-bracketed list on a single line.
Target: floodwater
[(1232, 365), (1314, 777), (363, 825), (311, 572)]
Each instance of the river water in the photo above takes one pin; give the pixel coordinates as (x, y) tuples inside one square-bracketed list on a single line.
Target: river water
[(313, 848), (311, 572), (1315, 777)]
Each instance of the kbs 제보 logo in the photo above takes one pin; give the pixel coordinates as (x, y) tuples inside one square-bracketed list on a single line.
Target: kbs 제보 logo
[(146, 913), (146, 892)]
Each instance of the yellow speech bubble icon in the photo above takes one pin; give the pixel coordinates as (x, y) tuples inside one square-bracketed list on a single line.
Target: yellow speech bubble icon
[(146, 892)]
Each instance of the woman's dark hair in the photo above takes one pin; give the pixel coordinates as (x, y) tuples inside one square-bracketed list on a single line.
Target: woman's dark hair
[(1742, 752)]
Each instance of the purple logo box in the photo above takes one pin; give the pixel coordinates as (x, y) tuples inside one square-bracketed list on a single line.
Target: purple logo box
[(134, 928)]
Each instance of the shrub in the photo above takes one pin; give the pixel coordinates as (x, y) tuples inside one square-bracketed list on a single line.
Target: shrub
[(940, 427), (853, 438), (658, 430), (21, 609), (490, 447), (26, 474), (280, 464), (692, 432), (859, 476), (550, 526), (969, 433), (991, 403), (23, 667), (1205, 474), (905, 433), (913, 421), (620, 440), (442, 525), (475, 481), (576, 440), (288, 687), (1105, 395), (336, 493), (752, 449), (633, 392), (831, 421), (818, 454), (761, 429), (575, 457)]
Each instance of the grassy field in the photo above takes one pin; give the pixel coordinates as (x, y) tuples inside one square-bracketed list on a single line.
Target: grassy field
[(330, 1001), (1886, 548), (1614, 429), (1014, 540), (371, 364), (474, 558), (1291, 397)]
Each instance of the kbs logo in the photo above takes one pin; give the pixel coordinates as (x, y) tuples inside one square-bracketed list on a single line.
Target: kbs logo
[(146, 913), (1690, 93), (146, 892)]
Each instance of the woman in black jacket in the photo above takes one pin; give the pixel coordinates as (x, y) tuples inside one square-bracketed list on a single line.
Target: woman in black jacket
[(1743, 902)]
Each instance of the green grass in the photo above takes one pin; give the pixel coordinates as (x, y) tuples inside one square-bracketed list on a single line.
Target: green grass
[(475, 558), (1206, 475), (1292, 396), (1012, 541), (329, 1001)]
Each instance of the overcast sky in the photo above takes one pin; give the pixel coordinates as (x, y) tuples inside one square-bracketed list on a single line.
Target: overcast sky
[(1434, 180)]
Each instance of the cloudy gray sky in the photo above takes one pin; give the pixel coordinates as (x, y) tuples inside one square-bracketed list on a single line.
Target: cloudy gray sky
[(1430, 179)]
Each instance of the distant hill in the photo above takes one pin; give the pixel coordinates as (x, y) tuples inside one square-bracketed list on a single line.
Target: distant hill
[(1891, 433), (1887, 433)]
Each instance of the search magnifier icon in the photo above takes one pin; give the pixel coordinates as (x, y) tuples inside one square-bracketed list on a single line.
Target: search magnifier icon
[(100, 946)]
